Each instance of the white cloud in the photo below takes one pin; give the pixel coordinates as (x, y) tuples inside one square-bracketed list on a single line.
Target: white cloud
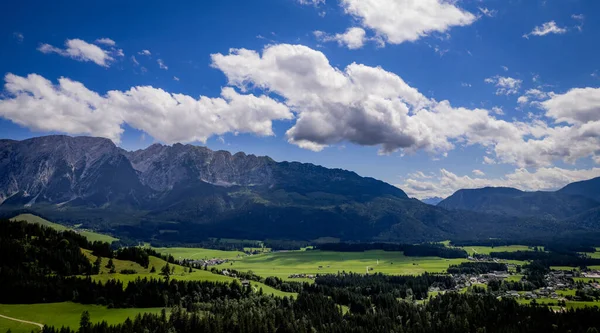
[(505, 85), (504, 68), (145, 53), (488, 12), (478, 173), (353, 38), (19, 37), (175, 78), (361, 104), (446, 183), (398, 21), (498, 110), (311, 2), (533, 96), (419, 175), (372, 107), (577, 106), (488, 160), (135, 61), (106, 41), (161, 64), (545, 29), (69, 107), (581, 19), (81, 51)]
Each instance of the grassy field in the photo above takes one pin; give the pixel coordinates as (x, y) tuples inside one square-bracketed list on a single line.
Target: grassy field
[(488, 249), (586, 279), (62, 314), (283, 264), (91, 236), (198, 253), (181, 273), (563, 268), (514, 278), (570, 304)]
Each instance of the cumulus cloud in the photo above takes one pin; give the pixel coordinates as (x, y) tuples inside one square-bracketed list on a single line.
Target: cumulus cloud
[(353, 38), (498, 110), (478, 173), (106, 41), (446, 183), (373, 107), (545, 29), (505, 85), (161, 64), (532, 96), (145, 53), (398, 21), (81, 51), (577, 106), (70, 107), (488, 160)]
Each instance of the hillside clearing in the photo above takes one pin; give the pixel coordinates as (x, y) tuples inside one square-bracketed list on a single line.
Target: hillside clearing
[(90, 235)]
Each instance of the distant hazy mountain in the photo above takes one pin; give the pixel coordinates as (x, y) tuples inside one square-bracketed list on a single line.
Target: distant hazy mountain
[(432, 201), (185, 193), (587, 188), (510, 201)]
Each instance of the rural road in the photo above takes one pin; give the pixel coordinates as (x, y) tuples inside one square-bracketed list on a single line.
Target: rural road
[(23, 321)]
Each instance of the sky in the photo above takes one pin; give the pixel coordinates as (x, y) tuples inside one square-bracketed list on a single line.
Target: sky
[(430, 95)]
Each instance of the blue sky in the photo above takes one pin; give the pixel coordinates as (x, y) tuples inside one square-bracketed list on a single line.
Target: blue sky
[(431, 95)]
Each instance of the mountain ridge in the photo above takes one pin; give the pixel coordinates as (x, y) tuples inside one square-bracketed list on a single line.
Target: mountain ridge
[(514, 202), (185, 193)]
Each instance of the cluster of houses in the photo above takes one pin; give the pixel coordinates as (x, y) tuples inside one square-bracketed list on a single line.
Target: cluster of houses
[(466, 280), (200, 263), (555, 280), (302, 276), (595, 274)]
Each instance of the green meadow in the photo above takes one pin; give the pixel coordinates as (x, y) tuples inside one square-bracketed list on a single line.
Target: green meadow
[(569, 304), (90, 235), (198, 253), (283, 264), (61, 314), (488, 249), (180, 273)]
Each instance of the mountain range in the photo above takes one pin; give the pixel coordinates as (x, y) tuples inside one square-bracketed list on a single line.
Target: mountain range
[(572, 200), (186, 193)]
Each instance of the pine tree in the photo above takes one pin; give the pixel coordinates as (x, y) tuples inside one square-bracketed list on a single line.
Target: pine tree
[(166, 271), (85, 323)]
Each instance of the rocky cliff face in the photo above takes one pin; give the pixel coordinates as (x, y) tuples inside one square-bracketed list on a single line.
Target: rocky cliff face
[(61, 169), (162, 167), (93, 171)]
